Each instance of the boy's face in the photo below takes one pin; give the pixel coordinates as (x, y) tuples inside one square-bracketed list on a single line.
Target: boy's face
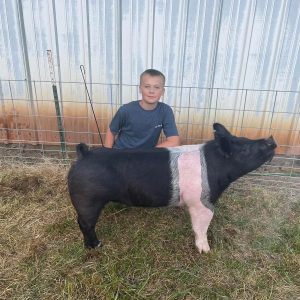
[(151, 88)]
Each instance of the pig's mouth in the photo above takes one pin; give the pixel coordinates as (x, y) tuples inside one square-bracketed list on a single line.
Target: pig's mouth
[(272, 145), (270, 156)]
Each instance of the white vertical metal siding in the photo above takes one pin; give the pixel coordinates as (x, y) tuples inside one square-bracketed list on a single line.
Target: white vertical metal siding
[(214, 43), (223, 49)]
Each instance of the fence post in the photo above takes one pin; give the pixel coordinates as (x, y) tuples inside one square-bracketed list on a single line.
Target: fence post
[(57, 108), (59, 123)]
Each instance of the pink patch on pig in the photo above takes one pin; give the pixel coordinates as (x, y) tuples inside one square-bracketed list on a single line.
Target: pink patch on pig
[(190, 181), (190, 185)]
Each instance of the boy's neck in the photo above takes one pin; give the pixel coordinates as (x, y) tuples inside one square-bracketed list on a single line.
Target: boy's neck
[(147, 106)]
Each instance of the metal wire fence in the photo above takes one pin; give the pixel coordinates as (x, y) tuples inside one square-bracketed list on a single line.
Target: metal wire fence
[(37, 126)]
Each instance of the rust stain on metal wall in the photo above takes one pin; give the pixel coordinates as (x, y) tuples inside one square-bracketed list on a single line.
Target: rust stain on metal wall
[(17, 126), (231, 61)]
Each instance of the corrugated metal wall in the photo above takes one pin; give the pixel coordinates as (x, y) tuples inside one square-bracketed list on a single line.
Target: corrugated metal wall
[(214, 43), (232, 61)]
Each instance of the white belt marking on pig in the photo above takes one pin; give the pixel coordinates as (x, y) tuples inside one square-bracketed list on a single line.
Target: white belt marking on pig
[(190, 181), (191, 186), (196, 154), (205, 193), (174, 201)]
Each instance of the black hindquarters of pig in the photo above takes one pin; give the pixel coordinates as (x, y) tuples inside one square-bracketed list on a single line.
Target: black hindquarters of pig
[(151, 177)]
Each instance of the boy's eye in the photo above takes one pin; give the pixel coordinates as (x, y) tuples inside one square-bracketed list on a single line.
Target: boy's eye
[(155, 87)]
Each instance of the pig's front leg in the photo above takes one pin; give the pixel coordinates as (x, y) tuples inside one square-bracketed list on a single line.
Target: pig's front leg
[(200, 217)]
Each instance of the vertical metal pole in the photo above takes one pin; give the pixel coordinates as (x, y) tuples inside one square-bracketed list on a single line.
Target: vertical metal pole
[(244, 108), (27, 66), (188, 119), (152, 33), (57, 108), (57, 51), (5, 125), (120, 52), (90, 68), (214, 62)]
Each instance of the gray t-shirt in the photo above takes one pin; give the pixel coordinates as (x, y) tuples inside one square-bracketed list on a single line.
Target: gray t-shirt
[(139, 128)]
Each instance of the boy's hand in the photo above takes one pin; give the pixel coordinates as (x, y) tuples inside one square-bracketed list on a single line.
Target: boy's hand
[(109, 139), (171, 141)]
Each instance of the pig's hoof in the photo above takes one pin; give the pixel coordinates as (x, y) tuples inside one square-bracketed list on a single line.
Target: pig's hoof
[(203, 246), (94, 246), (97, 246)]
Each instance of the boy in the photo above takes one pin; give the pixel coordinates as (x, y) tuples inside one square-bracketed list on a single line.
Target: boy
[(138, 124)]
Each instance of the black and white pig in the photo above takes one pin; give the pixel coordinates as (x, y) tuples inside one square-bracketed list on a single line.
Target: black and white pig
[(191, 175)]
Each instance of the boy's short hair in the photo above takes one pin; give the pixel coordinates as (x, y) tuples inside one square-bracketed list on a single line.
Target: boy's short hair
[(153, 72)]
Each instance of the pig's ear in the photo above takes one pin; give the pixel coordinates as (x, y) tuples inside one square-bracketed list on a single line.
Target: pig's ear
[(225, 146), (223, 138), (220, 130)]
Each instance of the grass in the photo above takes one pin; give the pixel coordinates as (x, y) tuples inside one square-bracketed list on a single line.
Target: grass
[(147, 253)]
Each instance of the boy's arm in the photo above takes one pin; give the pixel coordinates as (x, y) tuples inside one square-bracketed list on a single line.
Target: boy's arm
[(170, 130), (109, 139), (171, 141)]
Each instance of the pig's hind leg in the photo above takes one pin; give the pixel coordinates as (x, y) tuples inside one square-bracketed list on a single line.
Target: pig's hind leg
[(87, 218), (201, 218)]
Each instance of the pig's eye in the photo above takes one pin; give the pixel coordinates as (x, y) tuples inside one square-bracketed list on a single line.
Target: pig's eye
[(265, 146), (245, 150)]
